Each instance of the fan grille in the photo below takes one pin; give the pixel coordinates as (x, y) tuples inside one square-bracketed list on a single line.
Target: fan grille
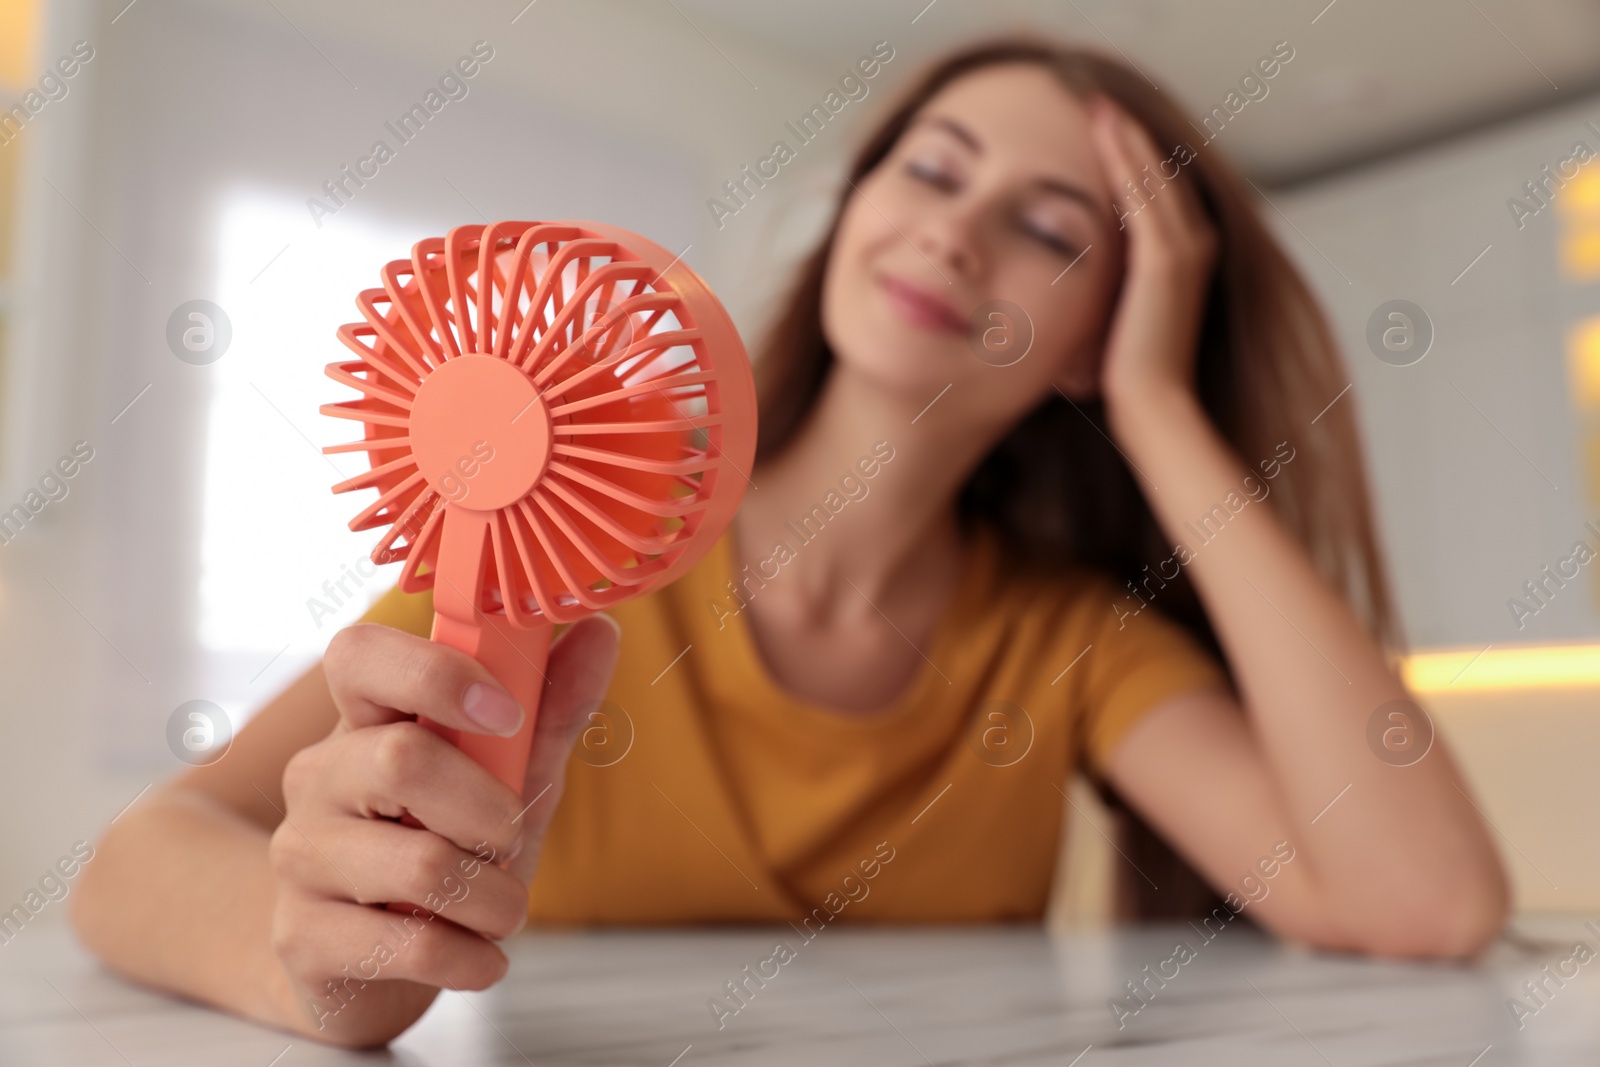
[(642, 389)]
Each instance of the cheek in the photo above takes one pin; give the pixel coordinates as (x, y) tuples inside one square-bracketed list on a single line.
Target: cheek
[(1070, 317), (840, 297), (1065, 322), (859, 239), (848, 291)]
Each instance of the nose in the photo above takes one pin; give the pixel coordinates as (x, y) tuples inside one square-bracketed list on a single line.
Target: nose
[(950, 235)]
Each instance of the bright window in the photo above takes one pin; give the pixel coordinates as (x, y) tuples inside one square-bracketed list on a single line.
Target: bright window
[(275, 545)]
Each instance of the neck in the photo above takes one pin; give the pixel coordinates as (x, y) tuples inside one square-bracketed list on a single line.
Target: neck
[(886, 524)]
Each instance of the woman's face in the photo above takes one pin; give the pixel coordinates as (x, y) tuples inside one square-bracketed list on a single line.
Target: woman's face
[(961, 258)]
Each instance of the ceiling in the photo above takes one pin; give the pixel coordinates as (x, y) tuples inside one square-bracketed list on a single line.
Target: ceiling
[(1369, 78)]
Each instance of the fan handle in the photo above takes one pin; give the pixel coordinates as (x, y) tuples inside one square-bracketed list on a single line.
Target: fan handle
[(515, 655), (517, 660)]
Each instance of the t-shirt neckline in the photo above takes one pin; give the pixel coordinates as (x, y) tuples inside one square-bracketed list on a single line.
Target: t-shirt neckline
[(759, 689)]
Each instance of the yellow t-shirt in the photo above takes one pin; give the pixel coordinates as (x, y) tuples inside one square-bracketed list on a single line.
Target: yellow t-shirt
[(734, 801)]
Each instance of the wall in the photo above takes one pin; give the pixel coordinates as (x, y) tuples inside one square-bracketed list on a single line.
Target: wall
[(178, 168), (1482, 462)]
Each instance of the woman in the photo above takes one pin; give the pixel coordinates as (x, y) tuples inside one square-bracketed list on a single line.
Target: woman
[(1061, 429)]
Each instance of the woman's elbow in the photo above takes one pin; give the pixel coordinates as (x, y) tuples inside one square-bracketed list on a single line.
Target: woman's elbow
[(1454, 921), (92, 906)]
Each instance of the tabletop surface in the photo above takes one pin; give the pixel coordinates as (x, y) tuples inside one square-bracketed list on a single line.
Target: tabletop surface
[(1016, 996)]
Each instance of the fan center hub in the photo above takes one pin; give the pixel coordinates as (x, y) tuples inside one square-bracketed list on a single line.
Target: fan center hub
[(480, 432)]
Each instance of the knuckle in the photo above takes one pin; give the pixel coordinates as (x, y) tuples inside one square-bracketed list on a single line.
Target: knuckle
[(345, 647), (283, 853), (501, 905), (508, 918), (301, 775), (435, 674), (286, 943), (402, 756), (288, 934), (506, 831), (430, 860), (431, 953)]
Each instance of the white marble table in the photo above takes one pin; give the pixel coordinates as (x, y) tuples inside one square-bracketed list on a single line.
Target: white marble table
[(1012, 996)]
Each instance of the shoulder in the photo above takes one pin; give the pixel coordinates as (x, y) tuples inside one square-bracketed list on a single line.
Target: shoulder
[(1069, 596), (1124, 636)]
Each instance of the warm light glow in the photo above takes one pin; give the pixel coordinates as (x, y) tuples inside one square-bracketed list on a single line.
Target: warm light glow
[(1579, 202), (1522, 667), (17, 24), (1591, 455), (1583, 359), (1581, 195), (1580, 253)]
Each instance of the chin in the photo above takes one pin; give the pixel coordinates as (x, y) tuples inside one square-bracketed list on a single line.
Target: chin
[(900, 360)]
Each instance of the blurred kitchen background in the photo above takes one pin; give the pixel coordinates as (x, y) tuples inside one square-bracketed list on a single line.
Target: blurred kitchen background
[(176, 161)]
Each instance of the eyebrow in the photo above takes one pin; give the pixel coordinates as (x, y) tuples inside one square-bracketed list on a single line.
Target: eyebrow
[(1052, 185)]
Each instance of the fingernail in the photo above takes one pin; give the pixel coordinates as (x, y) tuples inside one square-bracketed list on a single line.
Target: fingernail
[(491, 708), (516, 847)]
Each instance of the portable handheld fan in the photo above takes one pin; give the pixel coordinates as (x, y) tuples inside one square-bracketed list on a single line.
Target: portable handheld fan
[(559, 416)]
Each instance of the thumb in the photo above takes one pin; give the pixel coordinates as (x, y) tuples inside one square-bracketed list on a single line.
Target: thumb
[(579, 670)]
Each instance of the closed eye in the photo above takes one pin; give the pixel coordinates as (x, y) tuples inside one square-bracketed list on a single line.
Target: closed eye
[(931, 174), (1052, 241), (942, 180)]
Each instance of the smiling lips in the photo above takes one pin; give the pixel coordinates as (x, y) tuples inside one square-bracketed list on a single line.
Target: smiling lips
[(923, 309)]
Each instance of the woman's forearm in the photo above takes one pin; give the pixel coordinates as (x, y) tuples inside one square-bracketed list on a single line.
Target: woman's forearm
[(1396, 844), (180, 897)]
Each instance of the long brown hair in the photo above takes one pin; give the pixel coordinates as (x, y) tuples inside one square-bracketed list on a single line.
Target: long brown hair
[(1055, 489)]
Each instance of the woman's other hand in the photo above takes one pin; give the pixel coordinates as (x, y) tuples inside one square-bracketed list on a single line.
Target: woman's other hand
[(1171, 248)]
